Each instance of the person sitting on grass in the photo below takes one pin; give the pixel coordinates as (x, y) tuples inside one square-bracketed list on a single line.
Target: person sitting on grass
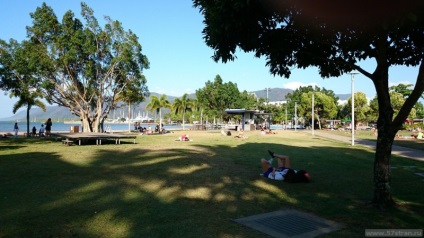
[(284, 171), (419, 135), (270, 131), (225, 133), (241, 134), (41, 131)]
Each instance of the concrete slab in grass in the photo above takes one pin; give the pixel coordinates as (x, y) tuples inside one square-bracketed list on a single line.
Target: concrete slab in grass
[(289, 223)]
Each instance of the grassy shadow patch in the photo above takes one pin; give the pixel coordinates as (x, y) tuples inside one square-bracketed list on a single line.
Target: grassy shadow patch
[(157, 186)]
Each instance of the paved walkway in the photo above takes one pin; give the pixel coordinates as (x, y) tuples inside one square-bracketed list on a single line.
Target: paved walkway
[(397, 150)]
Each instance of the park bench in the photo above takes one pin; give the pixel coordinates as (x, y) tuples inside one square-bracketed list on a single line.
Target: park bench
[(67, 142)]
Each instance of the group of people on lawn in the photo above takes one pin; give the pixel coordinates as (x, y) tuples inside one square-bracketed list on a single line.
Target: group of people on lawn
[(149, 130), (418, 136), (44, 131)]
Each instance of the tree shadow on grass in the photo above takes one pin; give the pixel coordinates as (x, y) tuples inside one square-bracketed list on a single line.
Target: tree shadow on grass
[(181, 192)]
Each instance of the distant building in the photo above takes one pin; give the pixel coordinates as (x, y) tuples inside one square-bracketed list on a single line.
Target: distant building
[(278, 103)]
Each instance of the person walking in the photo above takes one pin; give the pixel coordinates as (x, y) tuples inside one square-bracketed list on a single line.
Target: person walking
[(48, 126), (16, 129)]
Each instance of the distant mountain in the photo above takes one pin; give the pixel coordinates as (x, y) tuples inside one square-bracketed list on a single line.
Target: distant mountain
[(60, 113), (343, 97), (274, 94)]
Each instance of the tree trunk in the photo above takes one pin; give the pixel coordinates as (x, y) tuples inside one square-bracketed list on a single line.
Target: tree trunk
[(382, 189), (27, 111), (129, 117), (201, 117), (160, 120), (183, 121), (319, 121)]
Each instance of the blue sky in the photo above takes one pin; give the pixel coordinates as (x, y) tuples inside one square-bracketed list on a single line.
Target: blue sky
[(180, 62)]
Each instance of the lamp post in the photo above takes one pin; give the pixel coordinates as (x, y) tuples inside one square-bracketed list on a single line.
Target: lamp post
[(295, 116), (352, 122), (267, 89), (286, 116), (267, 99)]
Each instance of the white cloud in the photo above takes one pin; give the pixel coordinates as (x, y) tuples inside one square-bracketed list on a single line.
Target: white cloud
[(159, 90), (189, 90), (296, 85), (173, 93)]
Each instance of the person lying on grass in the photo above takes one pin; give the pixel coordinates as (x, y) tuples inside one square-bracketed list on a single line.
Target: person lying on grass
[(184, 137), (284, 171)]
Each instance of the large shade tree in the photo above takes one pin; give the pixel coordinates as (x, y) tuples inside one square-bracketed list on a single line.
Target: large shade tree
[(334, 36), (17, 77), (360, 107), (324, 107), (84, 67), (397, 101), (406, 90), (298, 96), (217, 96)]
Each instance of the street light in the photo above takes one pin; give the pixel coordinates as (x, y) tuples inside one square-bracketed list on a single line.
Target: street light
[(352, 122), (267, 89), (267, 100), (286, 115), (295, 116)]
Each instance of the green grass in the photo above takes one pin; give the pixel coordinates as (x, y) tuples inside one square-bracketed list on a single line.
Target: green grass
[(368, 135), (160, 187)]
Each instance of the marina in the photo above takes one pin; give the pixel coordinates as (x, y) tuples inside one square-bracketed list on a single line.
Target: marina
[(67, 126), (7, 126)]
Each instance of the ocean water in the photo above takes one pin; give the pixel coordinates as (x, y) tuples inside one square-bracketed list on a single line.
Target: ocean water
[(7, 126)]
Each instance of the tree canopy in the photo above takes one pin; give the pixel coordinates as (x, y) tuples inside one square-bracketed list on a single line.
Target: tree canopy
[(360, 106), (324, 106), (334, 36), (156, 104), (182, 105), (81, 65), (17, 76), (217, 96)]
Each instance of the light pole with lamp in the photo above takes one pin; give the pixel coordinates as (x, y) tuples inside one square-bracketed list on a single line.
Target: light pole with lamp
[(267, 98), (295, 116), (352, 121), (286, 116)]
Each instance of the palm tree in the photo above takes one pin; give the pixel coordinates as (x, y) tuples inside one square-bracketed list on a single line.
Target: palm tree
[(157, 104), (197, 108), (132, 95), (181, 105), (27, 97)]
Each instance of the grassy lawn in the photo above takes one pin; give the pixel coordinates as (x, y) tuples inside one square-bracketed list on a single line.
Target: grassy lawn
[(368, 135), (160, 187)]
